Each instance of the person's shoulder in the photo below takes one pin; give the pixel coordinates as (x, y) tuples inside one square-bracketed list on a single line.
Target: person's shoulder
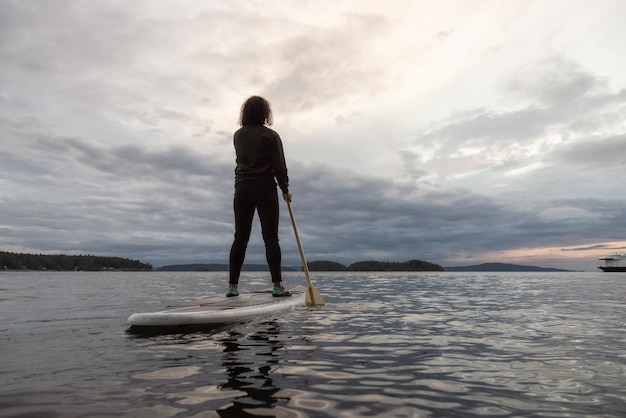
[(260, 131), (268, 130), (261, 128)]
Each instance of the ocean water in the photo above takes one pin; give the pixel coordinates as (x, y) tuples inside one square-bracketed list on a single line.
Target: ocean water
[(386, 345)]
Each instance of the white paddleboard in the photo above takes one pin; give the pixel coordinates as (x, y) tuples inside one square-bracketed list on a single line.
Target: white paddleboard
[(221, 310)]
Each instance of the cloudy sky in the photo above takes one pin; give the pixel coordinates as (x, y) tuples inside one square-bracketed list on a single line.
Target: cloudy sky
[(457, 132)]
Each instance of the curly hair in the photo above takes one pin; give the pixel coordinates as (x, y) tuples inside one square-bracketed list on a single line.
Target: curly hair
[(255, 111)]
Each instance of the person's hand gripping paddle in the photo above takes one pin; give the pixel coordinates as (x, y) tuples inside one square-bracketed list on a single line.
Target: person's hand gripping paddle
[(313, 297)]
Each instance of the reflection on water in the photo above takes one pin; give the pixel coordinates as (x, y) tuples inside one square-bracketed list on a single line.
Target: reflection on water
[(392, 345), (249, 367), (246, 383)]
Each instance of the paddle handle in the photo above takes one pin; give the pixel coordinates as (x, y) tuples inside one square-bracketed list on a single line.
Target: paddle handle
[(295, 231)]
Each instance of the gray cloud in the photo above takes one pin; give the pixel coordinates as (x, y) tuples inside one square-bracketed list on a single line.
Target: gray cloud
[(554, 82), (114, 139), (366, 215), (572, 107), (325, 66), (597, 152), (153, 205)]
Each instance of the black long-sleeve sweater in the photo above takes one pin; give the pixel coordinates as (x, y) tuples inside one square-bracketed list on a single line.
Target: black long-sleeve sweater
[(260, 156)]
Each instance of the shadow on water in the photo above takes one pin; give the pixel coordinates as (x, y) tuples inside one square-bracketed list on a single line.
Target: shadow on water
[(249, 364), (155, 331), (239, 360)]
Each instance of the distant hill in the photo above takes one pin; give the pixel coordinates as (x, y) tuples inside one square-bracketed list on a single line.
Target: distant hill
[(62, 262), (411, 265), (372, 265), (324, 265), (218, 267), (500, 267)]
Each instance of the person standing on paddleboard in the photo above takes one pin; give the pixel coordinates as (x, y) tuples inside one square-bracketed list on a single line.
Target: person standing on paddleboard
[(260, 164)]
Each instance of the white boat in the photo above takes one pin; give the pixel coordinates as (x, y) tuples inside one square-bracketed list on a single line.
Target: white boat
[(614, 262)]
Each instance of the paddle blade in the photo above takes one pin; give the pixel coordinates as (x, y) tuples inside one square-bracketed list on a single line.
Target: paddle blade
[(313, 297)]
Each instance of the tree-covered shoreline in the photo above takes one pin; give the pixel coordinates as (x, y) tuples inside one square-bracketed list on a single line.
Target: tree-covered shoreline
[(61, 262), (324, 265)]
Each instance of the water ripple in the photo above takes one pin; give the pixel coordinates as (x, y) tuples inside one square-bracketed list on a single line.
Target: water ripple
[(433, 344)]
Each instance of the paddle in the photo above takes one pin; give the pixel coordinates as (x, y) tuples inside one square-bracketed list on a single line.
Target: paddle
[(313, 297)]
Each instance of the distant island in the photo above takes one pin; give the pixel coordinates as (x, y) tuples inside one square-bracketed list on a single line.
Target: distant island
[(326, 265), (60, 262), (219, 267), (500, 267), (323, 265), (18, 261), (372, 265)]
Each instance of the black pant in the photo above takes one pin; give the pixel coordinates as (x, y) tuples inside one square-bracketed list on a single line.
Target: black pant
[(262, 196)]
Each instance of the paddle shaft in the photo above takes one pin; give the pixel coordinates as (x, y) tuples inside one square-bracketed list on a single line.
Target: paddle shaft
[(304, 264)]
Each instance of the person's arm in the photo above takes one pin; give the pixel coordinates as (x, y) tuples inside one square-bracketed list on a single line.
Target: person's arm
[(280, 167)]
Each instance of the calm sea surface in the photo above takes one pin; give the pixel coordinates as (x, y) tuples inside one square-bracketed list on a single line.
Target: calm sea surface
[(386, 345)]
